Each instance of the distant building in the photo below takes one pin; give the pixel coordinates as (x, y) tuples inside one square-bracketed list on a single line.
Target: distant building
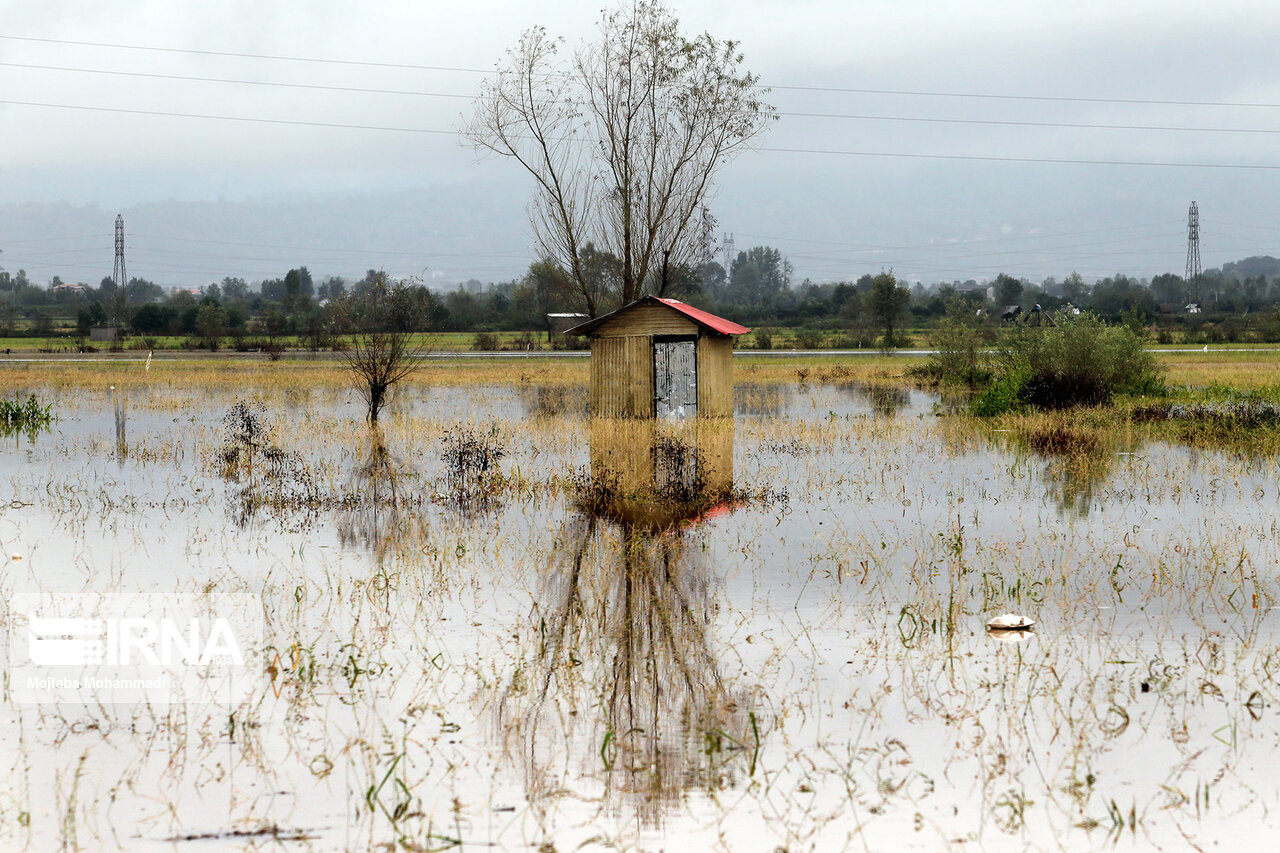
[(1193, 308), (558, 324), (105, 334)]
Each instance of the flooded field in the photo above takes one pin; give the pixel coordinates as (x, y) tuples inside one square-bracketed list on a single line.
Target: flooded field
[(468, 642)]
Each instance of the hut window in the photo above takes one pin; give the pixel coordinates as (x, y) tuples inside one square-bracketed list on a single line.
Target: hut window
[(675, 377)]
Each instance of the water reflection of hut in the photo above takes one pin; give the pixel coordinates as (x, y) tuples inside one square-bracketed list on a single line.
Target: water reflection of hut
[(660, 358), (655, 474)]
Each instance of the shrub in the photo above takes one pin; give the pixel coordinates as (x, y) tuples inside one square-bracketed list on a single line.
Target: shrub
[(1080, 362), (471, 459), (485, 342), (809, 339), (1004, 395), (960, 356), (763, 339), (270, 478), (30, 416)]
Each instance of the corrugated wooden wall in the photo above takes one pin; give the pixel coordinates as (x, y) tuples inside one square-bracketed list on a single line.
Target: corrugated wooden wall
[(715, 376), (622, 364), (622, 377)]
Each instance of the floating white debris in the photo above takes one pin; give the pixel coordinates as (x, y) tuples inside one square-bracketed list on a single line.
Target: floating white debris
[(1014, 636), (1010, 622)]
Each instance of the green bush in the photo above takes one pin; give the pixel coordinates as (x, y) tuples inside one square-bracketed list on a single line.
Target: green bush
[(29, 416), (1079, 362), (959, 356), (809, 339), (1002, 396)]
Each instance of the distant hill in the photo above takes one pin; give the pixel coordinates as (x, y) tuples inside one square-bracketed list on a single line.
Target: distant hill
[(445, 233), (1249, 267)]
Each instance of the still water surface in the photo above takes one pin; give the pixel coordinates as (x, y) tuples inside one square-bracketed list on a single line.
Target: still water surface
[(803, 669)]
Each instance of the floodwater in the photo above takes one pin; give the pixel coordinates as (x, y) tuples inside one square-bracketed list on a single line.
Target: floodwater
[(484, 659)]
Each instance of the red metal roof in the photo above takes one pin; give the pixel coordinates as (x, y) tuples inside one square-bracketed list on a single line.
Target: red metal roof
[(697, 315), (711, 321)]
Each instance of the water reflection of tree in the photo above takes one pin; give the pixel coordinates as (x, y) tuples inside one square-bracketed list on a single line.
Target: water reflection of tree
[(371, 515), (553, 401), (623, 684), (1073, 471), (1075, 479), (763, 399), (625, 679), (886, 401), (374, 509)]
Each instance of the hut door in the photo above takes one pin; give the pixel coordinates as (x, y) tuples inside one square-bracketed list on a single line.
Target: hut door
[(675, 378)]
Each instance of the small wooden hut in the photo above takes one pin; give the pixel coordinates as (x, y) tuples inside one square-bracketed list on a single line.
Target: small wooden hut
[(660, 358)]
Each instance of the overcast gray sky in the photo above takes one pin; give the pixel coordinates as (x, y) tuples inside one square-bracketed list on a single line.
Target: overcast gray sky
[(924, 136)]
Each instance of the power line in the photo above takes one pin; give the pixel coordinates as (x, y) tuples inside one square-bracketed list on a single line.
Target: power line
[(1003, 97), (1053, 124), (787, 114), (819, 151), (232, 54), (248, 119), (239, 82), (281, 247), (994, 159), (778, 87), (953, 243)]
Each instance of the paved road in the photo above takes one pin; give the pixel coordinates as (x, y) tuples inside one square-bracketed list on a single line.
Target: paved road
[(166, 355)]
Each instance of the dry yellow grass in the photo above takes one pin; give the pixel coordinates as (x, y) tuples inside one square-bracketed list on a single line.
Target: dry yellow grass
[(279, 375), (330, 373), (1243, 370)]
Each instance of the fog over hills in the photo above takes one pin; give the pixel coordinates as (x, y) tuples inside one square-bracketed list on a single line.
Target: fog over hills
[(448, 233), (947, 141), (926, 222)]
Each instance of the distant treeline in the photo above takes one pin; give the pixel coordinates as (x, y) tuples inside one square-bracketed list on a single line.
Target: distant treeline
[(1240, 300)]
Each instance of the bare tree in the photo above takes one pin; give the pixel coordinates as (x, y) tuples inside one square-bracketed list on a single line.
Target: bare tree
[(383, 351), (623, 141)]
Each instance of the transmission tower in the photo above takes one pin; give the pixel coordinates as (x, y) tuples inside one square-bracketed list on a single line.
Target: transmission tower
[(1193, 250), (706, 238), (727, 242), (117, 273)]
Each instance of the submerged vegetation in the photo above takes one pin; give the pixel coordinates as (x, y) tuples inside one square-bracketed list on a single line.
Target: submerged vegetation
[(1072, 387), (1076, 361), (761, 632), (27, 417), (471, 461)]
